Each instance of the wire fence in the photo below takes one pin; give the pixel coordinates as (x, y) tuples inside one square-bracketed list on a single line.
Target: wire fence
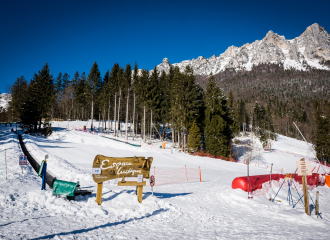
[(184, 174)]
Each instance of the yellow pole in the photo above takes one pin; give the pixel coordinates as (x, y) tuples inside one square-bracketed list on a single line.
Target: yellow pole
[(99, 193), (304, 182)]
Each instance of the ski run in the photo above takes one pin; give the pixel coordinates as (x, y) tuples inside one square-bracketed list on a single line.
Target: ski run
[(209, 209)]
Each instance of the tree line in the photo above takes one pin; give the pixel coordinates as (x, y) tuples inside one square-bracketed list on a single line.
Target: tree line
[(150, 103), (264, 101)]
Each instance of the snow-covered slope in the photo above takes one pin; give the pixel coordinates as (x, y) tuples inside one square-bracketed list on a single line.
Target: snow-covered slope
[(210, 209), (4, 99), (312, 46)]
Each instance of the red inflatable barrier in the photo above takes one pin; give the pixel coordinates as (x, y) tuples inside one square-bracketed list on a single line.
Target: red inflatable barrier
[(257, 181)]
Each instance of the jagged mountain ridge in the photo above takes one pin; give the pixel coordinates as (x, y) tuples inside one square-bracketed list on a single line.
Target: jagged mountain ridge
[(310, 48)]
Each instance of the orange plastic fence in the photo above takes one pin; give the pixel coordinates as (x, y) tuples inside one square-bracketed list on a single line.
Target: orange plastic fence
[(185, 174)]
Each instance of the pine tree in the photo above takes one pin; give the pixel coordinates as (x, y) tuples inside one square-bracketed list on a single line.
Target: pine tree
[(94, 83), (164, 98), (135, 79), (217, 120), (119, 80), (81, 94), (153, 97), (41, 96), (127, 87), (322, 138), (66, 80), (233, 112), (19, 94), (106, 96), (194, 138), (141, 88), (74, 96)]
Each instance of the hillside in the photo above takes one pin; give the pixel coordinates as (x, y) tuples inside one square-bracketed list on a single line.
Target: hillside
[(210, 209)]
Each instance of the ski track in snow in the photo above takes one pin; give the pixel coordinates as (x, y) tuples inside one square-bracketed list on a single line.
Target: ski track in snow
[(210, 209)]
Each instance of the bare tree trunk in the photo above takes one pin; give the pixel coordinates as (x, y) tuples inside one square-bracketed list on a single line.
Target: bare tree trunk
[(127, 113), (151, 126), (179, 143), (119, 112), (133, 116), (144, 122), (137, 124), (109, 116), (92, 114), (104, 124), (114, 114), (99, 120), (173, 136), (184, 141)]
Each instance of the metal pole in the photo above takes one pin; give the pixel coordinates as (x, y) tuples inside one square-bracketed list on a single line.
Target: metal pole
[(317, 207), (271, 169), (248, 173)]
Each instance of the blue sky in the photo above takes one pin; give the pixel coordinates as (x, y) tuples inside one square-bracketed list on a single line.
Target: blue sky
[(71, 35)]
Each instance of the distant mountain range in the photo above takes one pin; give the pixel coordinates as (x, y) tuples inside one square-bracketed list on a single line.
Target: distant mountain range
[(311, 48), (4, 99)]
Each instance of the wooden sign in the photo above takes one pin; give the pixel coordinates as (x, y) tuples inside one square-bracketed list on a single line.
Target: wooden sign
[(113, 168), (304, 168)]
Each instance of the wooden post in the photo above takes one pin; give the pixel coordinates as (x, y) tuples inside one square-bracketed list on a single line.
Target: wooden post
[(317, 207), (140, 191), (304, 182), (186, 172), (200, 174), (99, 193)]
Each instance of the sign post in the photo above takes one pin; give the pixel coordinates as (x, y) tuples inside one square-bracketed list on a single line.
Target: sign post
[(304, 169), (152, 184), (22, 161), (107, 168)]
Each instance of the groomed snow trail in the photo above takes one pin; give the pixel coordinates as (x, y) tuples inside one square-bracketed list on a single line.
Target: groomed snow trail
[(210, 209)]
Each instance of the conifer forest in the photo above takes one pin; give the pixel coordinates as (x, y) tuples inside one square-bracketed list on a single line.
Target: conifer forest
[(195, 113)]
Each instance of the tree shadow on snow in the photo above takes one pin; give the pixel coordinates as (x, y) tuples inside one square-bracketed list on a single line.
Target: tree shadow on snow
[(165, 195), (23, 220), (103, 225)]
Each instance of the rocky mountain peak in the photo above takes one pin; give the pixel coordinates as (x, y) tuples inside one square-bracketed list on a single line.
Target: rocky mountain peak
[(311, 47), (165, 61)]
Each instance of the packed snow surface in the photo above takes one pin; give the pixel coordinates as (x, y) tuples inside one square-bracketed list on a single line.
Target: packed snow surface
[(210, 209)]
